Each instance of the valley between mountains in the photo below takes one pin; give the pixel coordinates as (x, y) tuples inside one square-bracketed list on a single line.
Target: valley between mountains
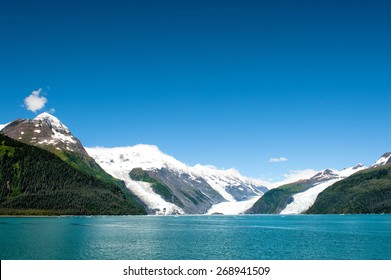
[(45, 170)]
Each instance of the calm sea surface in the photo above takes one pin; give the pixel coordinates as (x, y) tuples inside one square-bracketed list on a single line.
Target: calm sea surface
[(197, 237)]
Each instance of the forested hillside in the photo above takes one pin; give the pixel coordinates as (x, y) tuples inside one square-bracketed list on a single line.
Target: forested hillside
[(34, 181), (368, 191)]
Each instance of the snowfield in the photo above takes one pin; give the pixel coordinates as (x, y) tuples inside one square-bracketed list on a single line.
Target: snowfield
[(119, 161)]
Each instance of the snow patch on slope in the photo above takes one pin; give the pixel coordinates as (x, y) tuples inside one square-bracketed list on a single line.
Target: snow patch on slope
[(62, 137), (351, 170), (383, 160)]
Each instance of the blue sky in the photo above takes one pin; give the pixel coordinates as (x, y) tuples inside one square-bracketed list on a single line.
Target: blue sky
[(225, 83)]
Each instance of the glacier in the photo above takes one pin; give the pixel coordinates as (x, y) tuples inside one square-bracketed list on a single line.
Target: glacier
[(238, 191), (304, 200)]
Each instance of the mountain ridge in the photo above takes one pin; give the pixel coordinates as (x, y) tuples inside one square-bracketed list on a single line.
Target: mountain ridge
[(164, 185), (170, 186)]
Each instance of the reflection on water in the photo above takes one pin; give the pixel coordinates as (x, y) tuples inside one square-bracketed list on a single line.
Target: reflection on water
[(197, 237)]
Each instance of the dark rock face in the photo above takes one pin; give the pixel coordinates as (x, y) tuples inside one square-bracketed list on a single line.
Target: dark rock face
[(196, 196)]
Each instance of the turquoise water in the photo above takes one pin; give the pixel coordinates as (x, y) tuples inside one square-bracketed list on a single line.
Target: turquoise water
[(197, 237)]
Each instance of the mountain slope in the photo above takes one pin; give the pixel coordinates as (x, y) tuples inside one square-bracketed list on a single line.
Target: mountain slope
[(383, 160), (295, 198), (303, 200), (2, 126), (48, 132), (367, 191), (192, 195), (45, 131), (34, 181), (192, 190)]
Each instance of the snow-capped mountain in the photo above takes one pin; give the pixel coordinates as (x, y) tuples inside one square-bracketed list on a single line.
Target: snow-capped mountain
[(383, 160), (302, 201), (167, 186), (196, 188), (45, 131), (175, 187)]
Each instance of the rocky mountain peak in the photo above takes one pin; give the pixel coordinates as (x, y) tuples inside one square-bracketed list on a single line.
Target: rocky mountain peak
[(52, 122), (358, 166), (325, 175), (45, 131)]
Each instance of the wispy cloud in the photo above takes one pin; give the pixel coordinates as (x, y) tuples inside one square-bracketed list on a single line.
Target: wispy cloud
[(280, 159), (35, 101)]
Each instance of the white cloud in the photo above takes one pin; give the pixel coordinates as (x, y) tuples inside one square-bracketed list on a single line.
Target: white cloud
[(52, 111), (35, 101), (280, 159), (294, 176)]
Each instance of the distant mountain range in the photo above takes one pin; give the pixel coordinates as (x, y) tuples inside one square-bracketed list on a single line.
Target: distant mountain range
[(46, 170), (161, 184)]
